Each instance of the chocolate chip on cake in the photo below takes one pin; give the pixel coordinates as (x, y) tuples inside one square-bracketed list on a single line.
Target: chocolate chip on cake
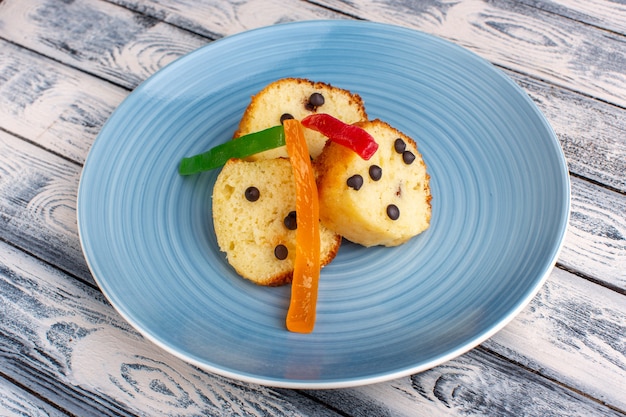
[(408, 157), (252, 194), (290, 221), (399, 145), (285, 116), (376, 172), (281, 252), (355, 182), (315, 100), (393, 212)]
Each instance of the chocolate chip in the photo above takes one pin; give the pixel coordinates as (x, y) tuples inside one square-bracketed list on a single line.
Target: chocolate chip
[(408, 157), (376, 172), (281, 252), (284, 117), (316, 100), (290, 221), (399, 145), (355, 181), (252, 194), (393, 211)]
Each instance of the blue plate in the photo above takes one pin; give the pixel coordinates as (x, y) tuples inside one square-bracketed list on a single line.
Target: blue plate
[(500, 209)]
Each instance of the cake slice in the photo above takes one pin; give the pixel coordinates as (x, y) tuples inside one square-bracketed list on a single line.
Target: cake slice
[(254, 218), (382, 201), (298, 98)]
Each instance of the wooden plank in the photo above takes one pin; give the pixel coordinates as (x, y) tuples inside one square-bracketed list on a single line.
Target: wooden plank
[(606, 14), (522, 38), (475, 384), (55, 106), (217, 18), (592, 133), (38, 204), (97, 37), (595, 244), (517, 37), (573, 332), (62, 339), (15, 401)]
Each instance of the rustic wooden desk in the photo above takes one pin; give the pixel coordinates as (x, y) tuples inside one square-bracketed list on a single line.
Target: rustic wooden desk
[(66, 64)]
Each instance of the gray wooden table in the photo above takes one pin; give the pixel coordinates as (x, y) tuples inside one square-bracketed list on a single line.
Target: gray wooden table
[(66, 64)]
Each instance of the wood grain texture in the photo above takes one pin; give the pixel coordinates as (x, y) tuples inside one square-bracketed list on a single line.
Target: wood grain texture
[(97, 37), (595, 244), (217, 18), (515, 36), (475, 384), (38, 204), (62, 339), (606, 14), (55, 106), (592, 133), (575, 332), (28, 164), (16, 402)]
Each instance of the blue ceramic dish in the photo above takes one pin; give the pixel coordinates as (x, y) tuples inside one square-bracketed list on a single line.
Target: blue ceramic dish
[(500, 209)]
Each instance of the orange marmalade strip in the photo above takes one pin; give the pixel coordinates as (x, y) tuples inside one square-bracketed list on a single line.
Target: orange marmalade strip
[(301, 314)]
